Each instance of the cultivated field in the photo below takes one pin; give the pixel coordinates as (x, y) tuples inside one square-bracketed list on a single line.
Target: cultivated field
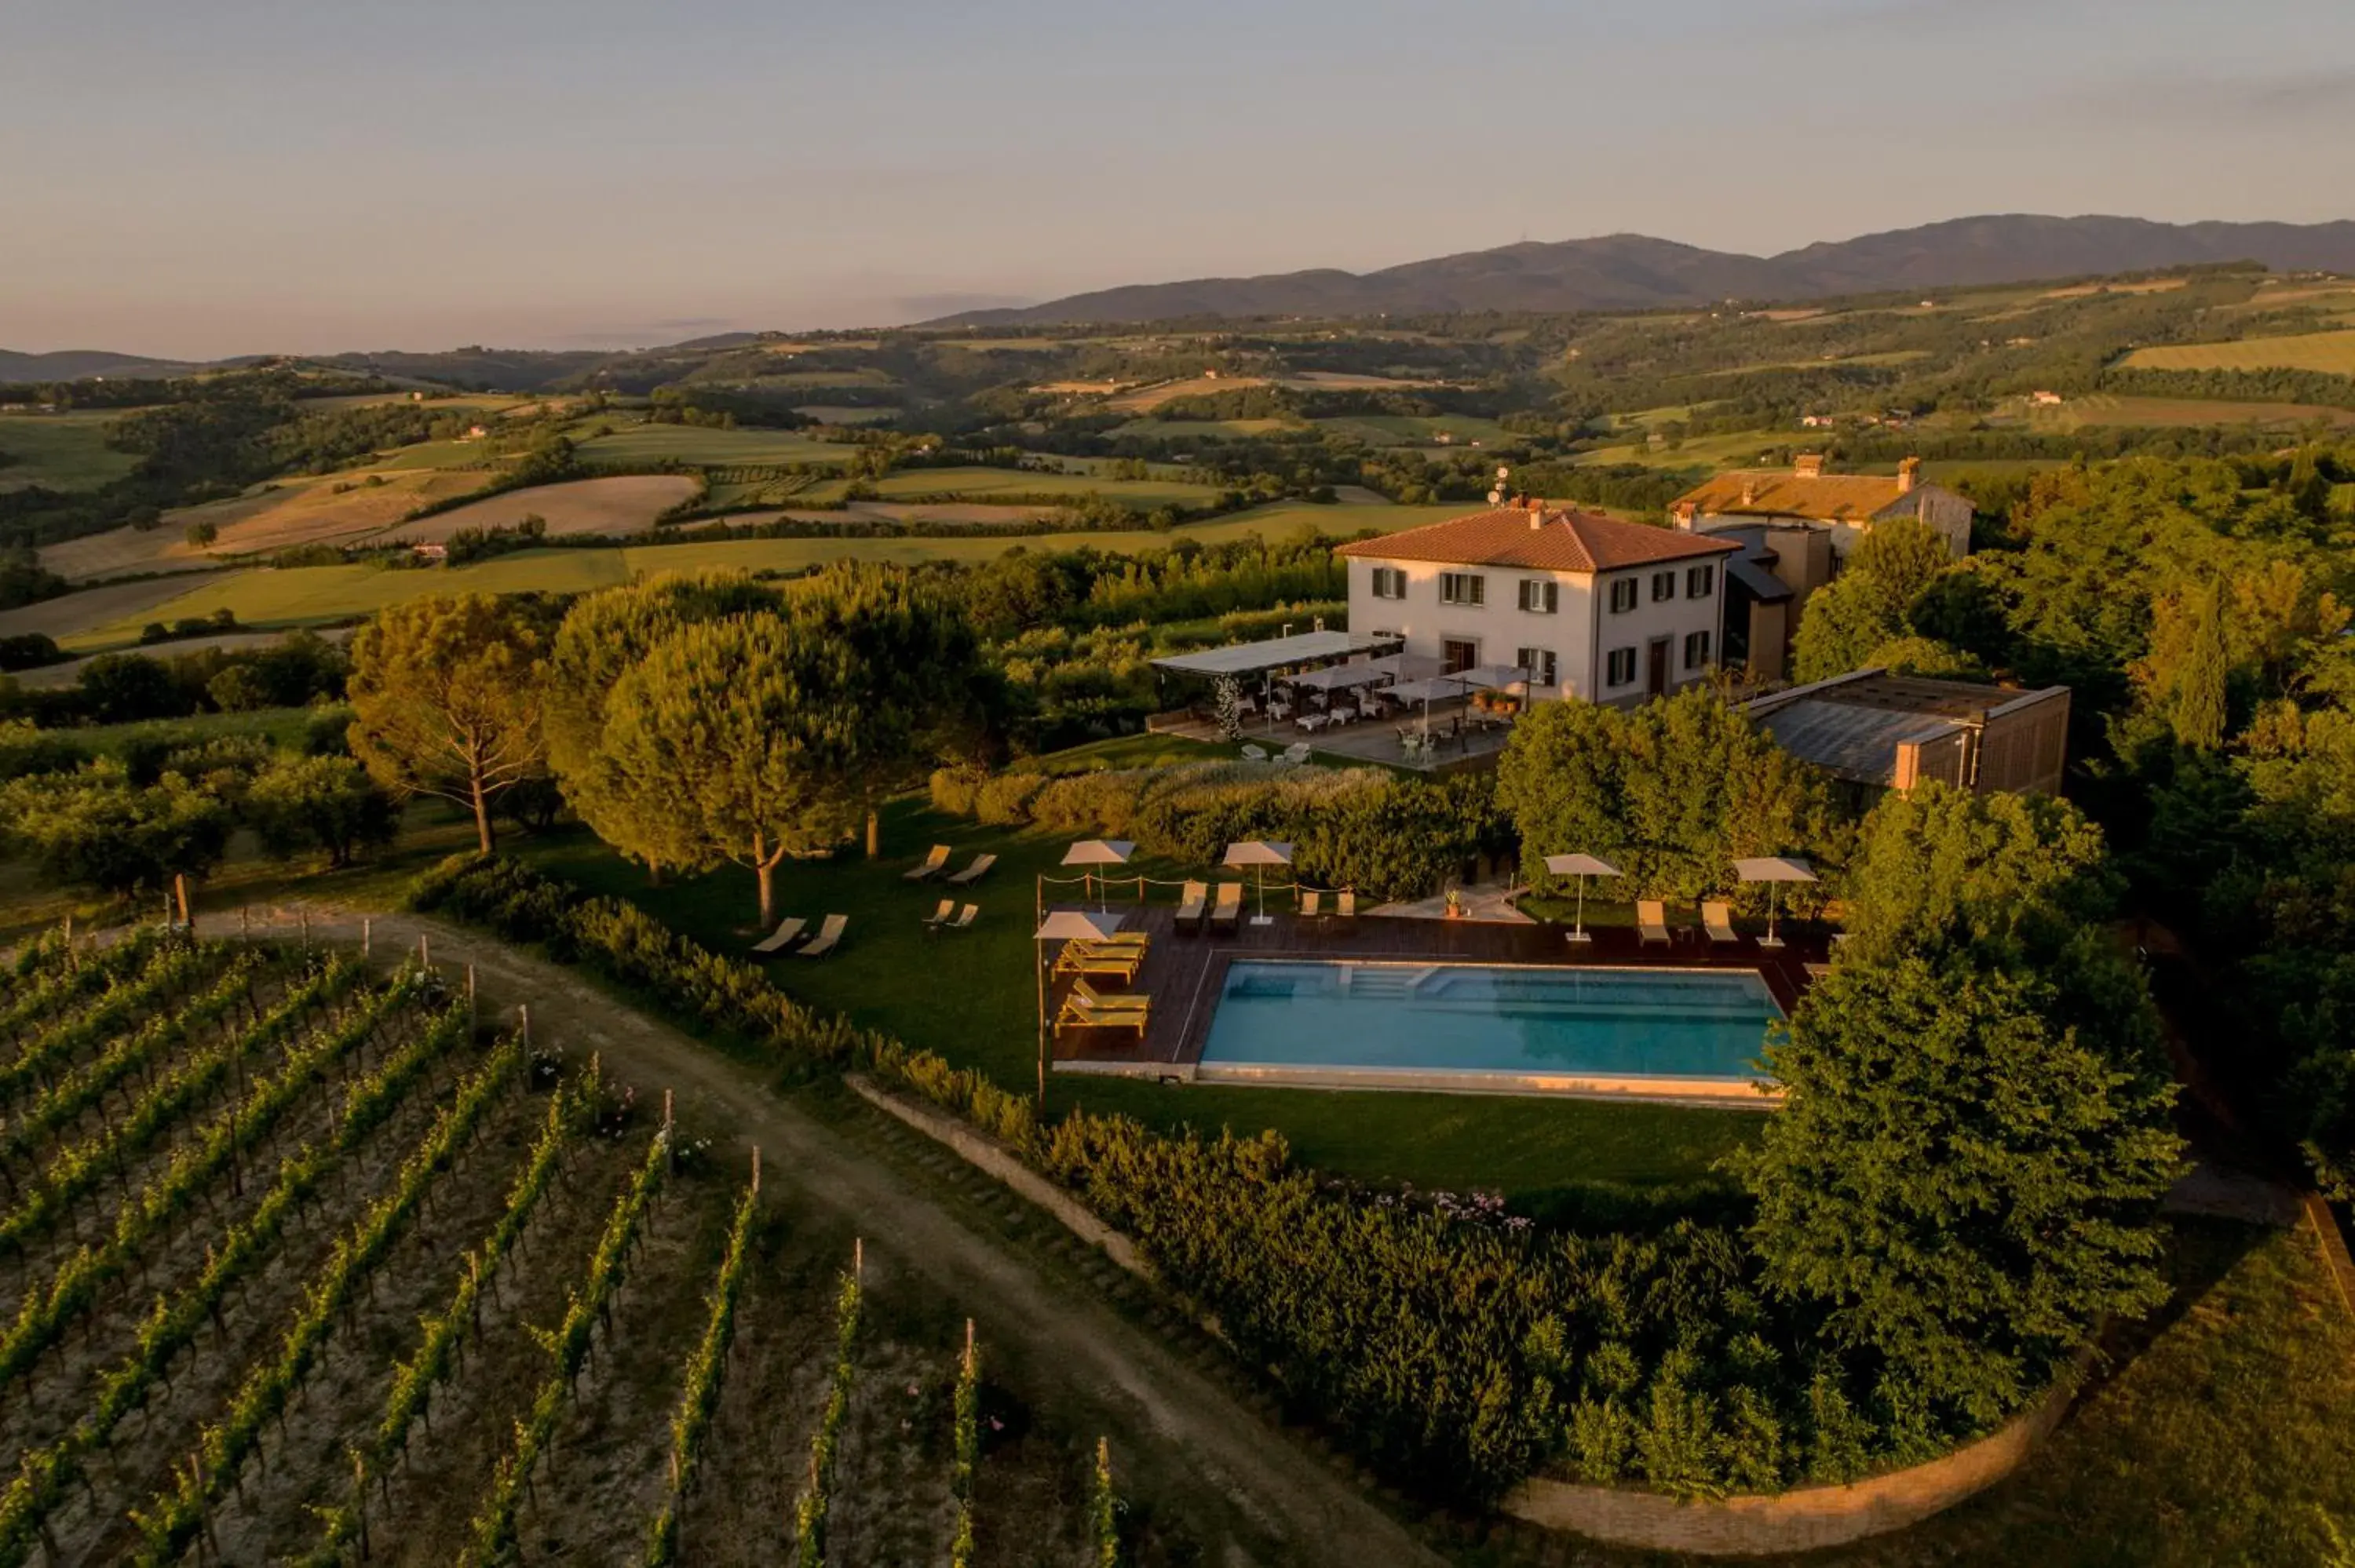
[(75, 614), (2332, 352), (311, 596), (61, 452), (1205, 429), (2108, 409), (625, 503), (1419, 430), (699, 447), (920, 481), (1144, 399), (306, 1267)]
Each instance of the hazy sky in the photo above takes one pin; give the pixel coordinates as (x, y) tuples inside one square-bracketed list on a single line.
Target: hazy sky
[(205, 177)]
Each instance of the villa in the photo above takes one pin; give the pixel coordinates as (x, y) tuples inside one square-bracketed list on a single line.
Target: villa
[(1570, 603), (1794, 530)]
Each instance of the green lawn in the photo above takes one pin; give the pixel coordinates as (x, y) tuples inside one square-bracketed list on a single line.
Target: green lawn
[(2225, 1439), (971, 996), (61, 452), (282, 728)]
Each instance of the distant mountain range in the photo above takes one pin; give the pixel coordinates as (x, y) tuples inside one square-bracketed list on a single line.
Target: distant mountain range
[(82, 364), (1632, 271)]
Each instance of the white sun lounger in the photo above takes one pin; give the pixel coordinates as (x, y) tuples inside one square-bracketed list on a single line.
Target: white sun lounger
[(1651, 921), (783, 936), (966, 917), (931, 865), (828, 935), (940, 916), (974, 873), (1717, 920)]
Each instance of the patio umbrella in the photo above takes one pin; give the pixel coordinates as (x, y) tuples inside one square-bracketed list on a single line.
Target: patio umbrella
[(1062, 926), (1098, 851), (1260, 855), (1772, 869), (1580, 866)]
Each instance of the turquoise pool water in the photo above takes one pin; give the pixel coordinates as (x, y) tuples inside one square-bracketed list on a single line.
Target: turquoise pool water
[(1379, 1019)]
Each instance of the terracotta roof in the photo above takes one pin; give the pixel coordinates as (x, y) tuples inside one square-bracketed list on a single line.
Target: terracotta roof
[(1566, 542), (1779, 493)]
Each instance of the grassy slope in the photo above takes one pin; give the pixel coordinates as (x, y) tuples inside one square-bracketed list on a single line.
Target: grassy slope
[(2330, 352), (61, 452), (971, 996), (2223, 1440), (315, 595), (691, 444)]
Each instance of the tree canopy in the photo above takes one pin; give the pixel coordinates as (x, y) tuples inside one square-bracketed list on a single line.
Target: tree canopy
[(447, 697)]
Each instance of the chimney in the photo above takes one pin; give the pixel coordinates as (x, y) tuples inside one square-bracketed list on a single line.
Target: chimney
[(1909, 474), (1686, 511), (1809, 465), (1749, 491)]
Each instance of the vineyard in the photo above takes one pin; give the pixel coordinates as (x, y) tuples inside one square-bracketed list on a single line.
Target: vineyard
[(308, 1263)]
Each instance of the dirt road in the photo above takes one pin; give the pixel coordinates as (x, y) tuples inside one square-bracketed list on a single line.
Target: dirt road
[(1217, 1465)]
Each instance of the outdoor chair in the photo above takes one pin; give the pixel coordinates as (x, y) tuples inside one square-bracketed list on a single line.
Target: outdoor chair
[(940, 915), (1651, 921), (966, 917), (829, 936), (1312, 904), (930, 866), (1717, 920), (1228, 910), (1079, 958), (1345, 903), (1191, 905), (1254, 754), (1085, 1008), (974, 873), (782, 937)]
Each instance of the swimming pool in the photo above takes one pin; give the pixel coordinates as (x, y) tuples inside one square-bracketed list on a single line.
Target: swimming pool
[(1682, 1033)]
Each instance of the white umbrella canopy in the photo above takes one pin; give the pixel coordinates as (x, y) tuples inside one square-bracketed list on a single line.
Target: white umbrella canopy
[(1260, 855), (1407, 666), (1098, 851), (1076, 925), (1340, 677), (1772, 870), (1580, 866)]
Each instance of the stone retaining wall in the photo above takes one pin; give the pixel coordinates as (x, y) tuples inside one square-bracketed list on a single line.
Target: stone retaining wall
[(1798, 1520)]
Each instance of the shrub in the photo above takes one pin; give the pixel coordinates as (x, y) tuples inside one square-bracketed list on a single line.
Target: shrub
[(1005, 800), (953, 790)]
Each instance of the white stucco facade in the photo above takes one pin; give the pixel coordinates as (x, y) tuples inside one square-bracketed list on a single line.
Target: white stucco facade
[(1667, 638)]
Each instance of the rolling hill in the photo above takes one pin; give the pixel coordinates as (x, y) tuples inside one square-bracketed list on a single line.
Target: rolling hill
[(1632, 271)]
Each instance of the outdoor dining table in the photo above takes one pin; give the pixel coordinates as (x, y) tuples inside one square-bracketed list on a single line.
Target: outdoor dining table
[(1312, 723)]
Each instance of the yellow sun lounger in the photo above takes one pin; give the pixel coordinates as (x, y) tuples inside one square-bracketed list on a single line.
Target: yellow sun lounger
[(1120, 964)]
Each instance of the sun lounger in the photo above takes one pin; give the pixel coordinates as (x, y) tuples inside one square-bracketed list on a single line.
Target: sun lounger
[(1088, 1016), (940, 915), (782, 937), (974, 873), (1718, 921), (1254, 754), (1111, 963), (966, 917), (1228, 910), (1192, 906), (1296, 754), (828, 936), (1345, 903), (1089, 996), (1651, 921), (1126, 941), (1312, 904), (931, 865)]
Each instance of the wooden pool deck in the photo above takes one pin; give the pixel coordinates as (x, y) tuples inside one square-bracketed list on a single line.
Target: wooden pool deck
[(1183, 972)]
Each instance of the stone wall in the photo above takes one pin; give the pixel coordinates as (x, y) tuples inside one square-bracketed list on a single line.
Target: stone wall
[(1798, 1520)]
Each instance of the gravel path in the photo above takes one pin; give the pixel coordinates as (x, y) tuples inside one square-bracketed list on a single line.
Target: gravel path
[(1279, 1502)]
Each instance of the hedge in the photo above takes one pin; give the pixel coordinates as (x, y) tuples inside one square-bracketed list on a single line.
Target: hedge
[(1364, 828), (1457, 1347)]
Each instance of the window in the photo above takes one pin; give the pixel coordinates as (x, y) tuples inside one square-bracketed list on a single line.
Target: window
[(1540, 596), (1623, 596), (1696, 650), (1463, 587), (1664, 586), (1699, 581), (1619, 666), (1538, 662), (1388, 583)]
